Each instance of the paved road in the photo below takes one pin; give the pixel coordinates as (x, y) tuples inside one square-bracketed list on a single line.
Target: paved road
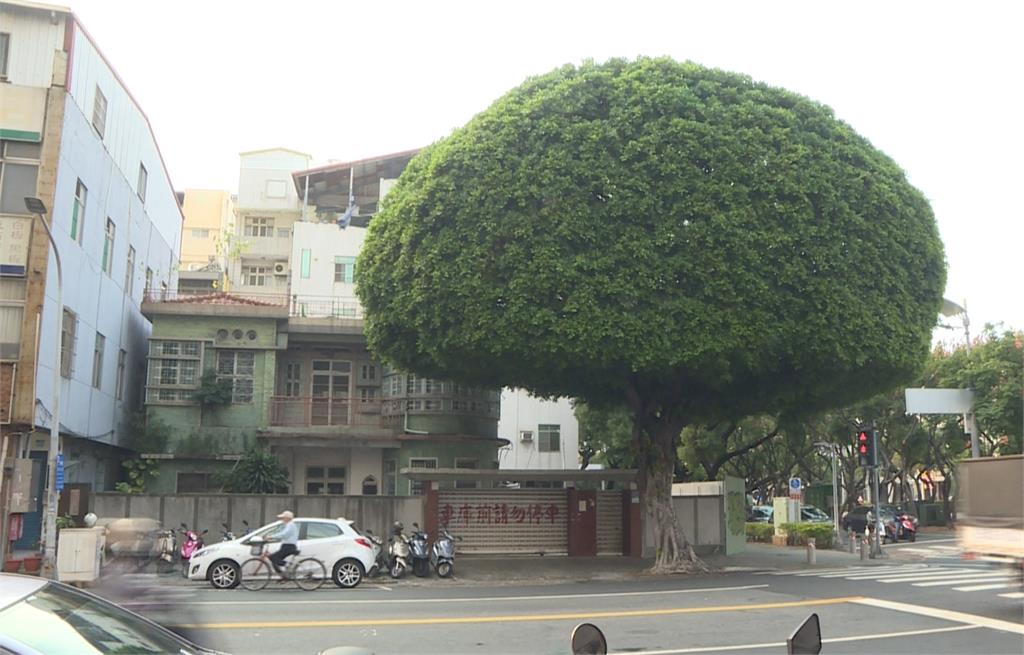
[(899, 607)]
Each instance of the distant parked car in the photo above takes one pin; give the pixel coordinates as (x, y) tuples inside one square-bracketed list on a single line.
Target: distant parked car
[(812, 514), (857, 518), (346, 554), (760, 514)]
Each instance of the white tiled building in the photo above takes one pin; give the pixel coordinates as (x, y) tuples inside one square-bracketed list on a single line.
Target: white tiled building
[(72, 135)]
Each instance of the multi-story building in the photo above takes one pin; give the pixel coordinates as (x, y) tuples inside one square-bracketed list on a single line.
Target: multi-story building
[(206, 239), (266, 209), (306, 387), (72, 135), (303, 382), (541, 434)]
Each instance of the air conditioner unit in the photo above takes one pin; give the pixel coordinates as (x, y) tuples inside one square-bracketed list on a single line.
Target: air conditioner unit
[(280, 268), (526, 435)]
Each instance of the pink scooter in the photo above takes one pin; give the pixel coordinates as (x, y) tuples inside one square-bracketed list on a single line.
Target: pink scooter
[(191, 542)]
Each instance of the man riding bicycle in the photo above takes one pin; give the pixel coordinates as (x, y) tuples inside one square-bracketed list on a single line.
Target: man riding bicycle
[(289, 538)]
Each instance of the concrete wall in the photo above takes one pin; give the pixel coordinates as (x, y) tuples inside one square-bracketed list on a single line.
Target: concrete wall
[(34, 38), (705, 512), (205, 209), (324, 242), (521, 411), (208, 511)]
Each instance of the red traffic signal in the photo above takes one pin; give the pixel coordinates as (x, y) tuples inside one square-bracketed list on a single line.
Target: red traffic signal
[(866, 448)]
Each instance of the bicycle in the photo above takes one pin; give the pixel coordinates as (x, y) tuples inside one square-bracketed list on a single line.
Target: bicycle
[(256, 572)]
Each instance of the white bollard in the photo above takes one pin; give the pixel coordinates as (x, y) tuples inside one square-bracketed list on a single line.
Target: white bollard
[(812, 551)]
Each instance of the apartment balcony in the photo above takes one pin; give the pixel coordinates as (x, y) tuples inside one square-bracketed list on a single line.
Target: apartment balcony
[(298, 306), (313, 412)]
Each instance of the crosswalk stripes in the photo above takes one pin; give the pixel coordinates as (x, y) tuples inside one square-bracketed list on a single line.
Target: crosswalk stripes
[(958, 578)]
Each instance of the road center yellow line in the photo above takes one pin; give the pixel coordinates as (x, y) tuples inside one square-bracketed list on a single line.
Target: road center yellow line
[(515, 618)]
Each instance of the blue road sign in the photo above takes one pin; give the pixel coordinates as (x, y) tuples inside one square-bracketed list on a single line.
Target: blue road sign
[(59, 479)]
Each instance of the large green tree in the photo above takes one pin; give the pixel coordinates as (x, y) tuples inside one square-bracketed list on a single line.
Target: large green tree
[(685, 241)]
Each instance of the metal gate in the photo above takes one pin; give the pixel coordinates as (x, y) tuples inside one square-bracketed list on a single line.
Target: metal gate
[(609, 523), (506, 520)]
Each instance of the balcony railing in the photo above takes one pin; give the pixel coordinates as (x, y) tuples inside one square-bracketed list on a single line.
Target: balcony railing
[(298, 305), (307, 411)]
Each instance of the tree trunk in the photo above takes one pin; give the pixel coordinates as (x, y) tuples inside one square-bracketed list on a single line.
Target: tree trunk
[(657, 439)]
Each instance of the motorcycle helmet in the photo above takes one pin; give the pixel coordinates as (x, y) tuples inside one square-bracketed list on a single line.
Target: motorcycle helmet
[(397, 527), (89, 520)]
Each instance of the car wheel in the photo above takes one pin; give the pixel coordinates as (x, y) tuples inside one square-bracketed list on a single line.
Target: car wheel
[(348, 573), (223, 574)]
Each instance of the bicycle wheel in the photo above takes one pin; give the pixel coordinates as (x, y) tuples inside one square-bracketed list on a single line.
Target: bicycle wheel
[(255, 574), (309, 573)]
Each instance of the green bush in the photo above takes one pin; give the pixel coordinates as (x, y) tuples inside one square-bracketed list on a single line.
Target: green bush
[(799, 533), (760, 532)]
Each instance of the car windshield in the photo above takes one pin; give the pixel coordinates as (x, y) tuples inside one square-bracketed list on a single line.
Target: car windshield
[(58, 619)]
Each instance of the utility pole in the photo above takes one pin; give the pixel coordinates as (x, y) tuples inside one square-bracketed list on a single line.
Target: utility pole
[(36, 206)]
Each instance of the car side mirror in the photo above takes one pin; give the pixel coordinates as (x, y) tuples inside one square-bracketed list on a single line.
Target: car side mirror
[(806, 639), (587, 639)]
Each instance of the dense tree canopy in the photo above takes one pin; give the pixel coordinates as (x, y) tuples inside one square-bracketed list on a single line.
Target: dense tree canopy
[(686, 241)]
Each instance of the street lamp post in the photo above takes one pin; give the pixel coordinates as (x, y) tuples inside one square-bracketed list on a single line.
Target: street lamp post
[(36, 206)]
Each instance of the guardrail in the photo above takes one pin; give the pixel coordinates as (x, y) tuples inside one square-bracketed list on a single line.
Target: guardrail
[(299, 306), (308, 411)]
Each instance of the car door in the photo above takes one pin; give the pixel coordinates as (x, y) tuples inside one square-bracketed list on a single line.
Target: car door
[(320, 539)]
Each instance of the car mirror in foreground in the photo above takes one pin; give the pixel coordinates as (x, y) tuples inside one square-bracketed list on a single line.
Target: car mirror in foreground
[(587, 639), (805, 640)]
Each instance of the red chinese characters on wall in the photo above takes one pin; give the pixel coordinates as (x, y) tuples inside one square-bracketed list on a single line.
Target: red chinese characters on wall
[(497, 514)]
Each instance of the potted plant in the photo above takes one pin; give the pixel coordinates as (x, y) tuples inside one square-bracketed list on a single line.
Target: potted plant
[(32, 563)]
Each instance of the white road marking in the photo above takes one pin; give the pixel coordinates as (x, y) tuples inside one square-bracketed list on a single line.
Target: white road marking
[(936, 573), (382, 587), (926, 551), (952, 581), (782, 644), (947, 615), (1016, 594), (985, 587), (364, 601), (877, 572)]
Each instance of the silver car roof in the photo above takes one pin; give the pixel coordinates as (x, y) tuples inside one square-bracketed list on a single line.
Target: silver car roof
[(14, 587)]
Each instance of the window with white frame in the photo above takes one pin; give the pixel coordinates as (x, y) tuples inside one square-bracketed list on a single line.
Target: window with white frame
[(412, 383), (99, 112), (97, 360), (467, 463), (69, 329), (345, 269), (140, 188), (292, 379), (368, 372), (367, 394), (283, 233), (237, 366), (19, 170), (549, 438), (129, 273), (259, 226), (200, 234), (12, 313), (122, 364), (107, 263), (78, 211), (256, 276), (5, 49), (174, 371), (417, 487)]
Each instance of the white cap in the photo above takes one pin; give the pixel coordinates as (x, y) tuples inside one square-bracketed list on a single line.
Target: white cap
[(286, 515)]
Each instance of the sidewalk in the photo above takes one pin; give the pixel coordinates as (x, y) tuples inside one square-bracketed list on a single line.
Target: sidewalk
[(539, 570)]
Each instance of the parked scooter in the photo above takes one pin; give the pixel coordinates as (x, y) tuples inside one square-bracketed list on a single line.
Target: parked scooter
[(906, 527), (165, 551), (420, 552), (380, 555), (398, 552), (442, 555), (228, 535), (191, 542)]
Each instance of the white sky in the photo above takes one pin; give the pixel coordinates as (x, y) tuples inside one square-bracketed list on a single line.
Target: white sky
[(935, 85)]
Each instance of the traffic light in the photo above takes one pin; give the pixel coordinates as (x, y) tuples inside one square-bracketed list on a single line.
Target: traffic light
[(866, 448)]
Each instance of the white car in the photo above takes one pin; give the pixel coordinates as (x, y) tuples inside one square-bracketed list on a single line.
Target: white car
[(346, 554)]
